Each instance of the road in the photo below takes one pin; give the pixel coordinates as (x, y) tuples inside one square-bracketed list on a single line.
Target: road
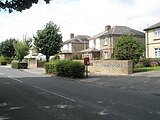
[(26, 96)]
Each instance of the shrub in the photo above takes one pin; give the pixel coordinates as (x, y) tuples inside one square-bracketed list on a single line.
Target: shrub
[(3, 62), (56, 57), (19, 65), (70, 68), (146, 62), (50, 67)]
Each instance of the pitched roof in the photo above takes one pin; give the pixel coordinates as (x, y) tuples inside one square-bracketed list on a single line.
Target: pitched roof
[(77, 39), (93, 49), (124, 30), (99, 35), (65, 52), (157, 25)]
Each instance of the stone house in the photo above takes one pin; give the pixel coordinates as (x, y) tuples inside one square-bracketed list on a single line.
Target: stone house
[(74, 45), (103, 43), (152, 39)]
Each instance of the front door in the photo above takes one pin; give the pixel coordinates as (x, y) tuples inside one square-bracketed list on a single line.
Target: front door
[(105, 55)]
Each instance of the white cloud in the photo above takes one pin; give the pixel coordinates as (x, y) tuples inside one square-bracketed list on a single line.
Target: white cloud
[(80, 16)]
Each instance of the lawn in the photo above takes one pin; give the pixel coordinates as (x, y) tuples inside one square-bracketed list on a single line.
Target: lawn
[(146, 69)]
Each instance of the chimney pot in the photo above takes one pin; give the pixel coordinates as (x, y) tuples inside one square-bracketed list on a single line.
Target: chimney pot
[(107, 27), (71, 35)]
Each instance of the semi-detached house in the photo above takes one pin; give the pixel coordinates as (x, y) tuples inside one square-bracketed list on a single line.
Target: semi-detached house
[(152, 39), (101, 45)]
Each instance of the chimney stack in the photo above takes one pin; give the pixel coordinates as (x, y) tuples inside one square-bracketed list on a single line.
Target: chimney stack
[(107, 27), (71, 35)]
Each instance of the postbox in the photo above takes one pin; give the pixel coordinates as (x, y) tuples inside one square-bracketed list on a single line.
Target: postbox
[(86, 61)]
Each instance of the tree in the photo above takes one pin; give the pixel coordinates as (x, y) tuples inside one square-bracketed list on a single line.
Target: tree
[(128, 48), (18, 5), (21, 50), (49, 40), (7, 48)]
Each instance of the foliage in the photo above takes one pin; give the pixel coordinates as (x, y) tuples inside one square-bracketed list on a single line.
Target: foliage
[(50, 67), (146, 69), (49, 40), (18, 5), (19, 65), (21, 50), (154, 63), (70, 68), (128, 48), (76, 56), (56, 57), (7, 48)]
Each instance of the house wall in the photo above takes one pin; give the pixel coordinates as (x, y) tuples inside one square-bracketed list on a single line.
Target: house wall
[(151, 44), (77, 47), (98, 43), (65, 47)]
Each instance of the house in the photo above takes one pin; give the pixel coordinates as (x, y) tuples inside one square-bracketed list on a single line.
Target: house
[(152, 40), (104, 41), (74, 45)]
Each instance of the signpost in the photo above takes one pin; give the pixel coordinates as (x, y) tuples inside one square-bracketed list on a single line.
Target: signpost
[(86, 63)]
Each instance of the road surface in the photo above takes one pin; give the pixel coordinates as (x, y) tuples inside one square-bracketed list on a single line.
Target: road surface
[(27, 96)]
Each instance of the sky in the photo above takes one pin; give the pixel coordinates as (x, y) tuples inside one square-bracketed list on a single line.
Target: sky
[(81, 17)]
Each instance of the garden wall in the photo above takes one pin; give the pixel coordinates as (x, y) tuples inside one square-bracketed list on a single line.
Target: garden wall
[(116, 67)]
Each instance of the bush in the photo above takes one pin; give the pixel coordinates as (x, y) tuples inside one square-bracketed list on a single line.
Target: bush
[(70, 68), (3, 62), (19, 65), (56, 57), (50, 67)]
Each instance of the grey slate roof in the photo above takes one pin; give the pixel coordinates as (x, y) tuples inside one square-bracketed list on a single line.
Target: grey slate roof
[(77, 39), (104, 33), (157, 25), (93, 49), (124, 30)]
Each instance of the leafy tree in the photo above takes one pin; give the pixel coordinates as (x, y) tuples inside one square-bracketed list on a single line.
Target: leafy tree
[(128, 48), (7, 48), (49, 40), (21, 50), (18, 5)]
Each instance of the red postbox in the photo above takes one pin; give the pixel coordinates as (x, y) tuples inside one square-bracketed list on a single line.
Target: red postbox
[(86, 61)]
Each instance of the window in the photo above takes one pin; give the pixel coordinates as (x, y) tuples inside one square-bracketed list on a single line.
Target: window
[(94, 42), (105, 41), (68, 46), (157, 34), (157, 52)]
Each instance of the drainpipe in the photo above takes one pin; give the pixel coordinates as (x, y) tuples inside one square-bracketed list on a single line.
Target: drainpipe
[(147, 45)]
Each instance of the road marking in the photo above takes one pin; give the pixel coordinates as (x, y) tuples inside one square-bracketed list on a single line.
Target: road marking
[(55, 94), (15, 79), (1, 74)]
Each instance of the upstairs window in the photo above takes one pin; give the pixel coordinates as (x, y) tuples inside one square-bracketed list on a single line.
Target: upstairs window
[(157, 34), (68, 46), (94, 41), (105, 41)]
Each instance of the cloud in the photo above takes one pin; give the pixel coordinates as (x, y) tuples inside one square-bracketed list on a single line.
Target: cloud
[(87, 17)]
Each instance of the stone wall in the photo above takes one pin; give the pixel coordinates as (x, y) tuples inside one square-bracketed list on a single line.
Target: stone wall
[(116, 67)]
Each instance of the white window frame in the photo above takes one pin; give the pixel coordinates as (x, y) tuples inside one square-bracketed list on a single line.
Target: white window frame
[(105, 41), (157, 52), (157, 33)]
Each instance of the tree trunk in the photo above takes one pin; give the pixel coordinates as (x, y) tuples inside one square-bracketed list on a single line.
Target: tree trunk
[(47, 58)]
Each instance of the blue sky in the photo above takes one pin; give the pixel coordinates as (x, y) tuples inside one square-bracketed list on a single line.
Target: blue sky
[(87, 17)]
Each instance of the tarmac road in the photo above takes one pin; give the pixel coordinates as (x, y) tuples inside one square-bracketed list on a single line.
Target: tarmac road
[(27, 96)]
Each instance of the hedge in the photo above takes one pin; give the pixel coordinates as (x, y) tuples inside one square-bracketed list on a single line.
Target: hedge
[(3, 62), (70, 68), (50, 67), (19, 65)]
